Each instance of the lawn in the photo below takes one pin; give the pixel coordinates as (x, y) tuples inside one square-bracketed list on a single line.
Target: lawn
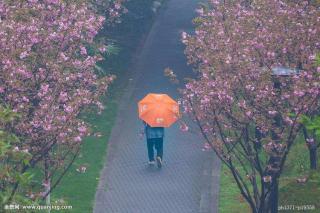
[(290, 192), (230, 199), (78, 189)]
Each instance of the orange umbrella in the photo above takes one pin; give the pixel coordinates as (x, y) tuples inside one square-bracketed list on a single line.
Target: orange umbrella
[(158, 110)]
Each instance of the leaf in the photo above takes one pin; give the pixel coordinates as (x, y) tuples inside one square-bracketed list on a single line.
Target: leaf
[(316, 121), (25, 178), (4, 147), (4, 196), (318, 59), (293, 115), (112, 49), (99, 69), (305, 120), (26, 162)]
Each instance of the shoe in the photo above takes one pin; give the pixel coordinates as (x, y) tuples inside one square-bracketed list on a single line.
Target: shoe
[(151, 163), (159, 162)]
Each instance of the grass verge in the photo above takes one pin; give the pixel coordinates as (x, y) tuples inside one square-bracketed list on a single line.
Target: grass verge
[(291, 193), (78, 189)]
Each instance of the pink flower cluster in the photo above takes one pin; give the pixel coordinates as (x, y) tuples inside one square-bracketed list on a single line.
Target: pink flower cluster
[(46, 73), (236, 48)]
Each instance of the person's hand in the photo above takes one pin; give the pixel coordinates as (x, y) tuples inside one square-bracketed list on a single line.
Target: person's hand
[(141, 134)]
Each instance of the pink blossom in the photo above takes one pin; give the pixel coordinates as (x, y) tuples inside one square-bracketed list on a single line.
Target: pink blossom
[(310, 140), (64, 57), (82, 129), (23, 55), (25, 150), (77, 139), (284, 50), (248, 113), (102, 49), (43, 90), (184, 127), (206, 147), (47, 127), (24, 98), (68, 109), (53, 1), (184, 36), (62, 134), (312, 57), (299, 93), (83, 50), (272, 112), (267, 179), (100, 105), (288, 120), (62, 118), (63, 96), (117, 6), (200, 11)]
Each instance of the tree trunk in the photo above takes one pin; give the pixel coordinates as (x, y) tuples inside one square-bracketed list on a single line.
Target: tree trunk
[(312, 146), (274, 196), (47, 185), (313, 156)]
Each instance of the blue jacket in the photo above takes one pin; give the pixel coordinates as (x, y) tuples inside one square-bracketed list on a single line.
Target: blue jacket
[(153, 132)]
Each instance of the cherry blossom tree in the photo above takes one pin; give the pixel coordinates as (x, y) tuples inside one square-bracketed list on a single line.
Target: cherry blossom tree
[(247, 108), (48, 77)]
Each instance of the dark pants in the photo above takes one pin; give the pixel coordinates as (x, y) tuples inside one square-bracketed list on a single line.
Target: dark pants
[(158, 144)]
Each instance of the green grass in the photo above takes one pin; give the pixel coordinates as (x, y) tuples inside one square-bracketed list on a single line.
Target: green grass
[(230, 199), (290, 192), (78, 189), (297, 165)]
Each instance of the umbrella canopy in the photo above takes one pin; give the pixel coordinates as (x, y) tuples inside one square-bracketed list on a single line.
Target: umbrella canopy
[(158, 110)]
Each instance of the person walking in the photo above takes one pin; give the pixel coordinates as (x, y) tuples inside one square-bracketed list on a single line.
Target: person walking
[(154, 137), (157, 111)]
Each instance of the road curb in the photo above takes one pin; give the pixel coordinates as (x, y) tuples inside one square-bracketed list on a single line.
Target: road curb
[(209, 196)]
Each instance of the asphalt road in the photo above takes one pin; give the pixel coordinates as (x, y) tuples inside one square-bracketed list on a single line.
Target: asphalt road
[(184, 184)]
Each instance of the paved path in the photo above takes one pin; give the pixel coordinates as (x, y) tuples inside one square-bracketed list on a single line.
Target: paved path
[(127, 184)]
